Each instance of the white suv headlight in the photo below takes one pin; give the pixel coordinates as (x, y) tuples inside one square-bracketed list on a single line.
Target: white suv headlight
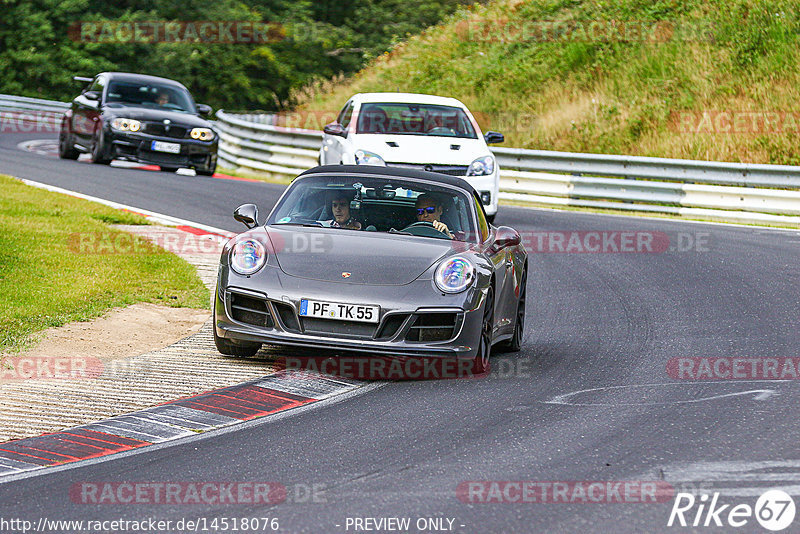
[(202, 134), (481, 166), (125, 125), (454, 275), (369, 158), (248, 256)]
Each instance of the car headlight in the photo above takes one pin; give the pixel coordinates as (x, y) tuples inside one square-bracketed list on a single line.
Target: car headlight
[(248, 256), (454, 275), (481, 166), (202, 134), (369, 158), (126, 125)]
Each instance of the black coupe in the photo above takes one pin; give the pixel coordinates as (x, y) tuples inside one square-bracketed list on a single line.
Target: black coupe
[(139, 118)]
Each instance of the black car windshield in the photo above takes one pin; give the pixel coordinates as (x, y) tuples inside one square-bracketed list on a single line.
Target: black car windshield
[(150, 95), (414, 119), (377, 204)]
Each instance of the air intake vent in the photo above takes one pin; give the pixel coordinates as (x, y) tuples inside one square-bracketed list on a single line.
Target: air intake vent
[(433, 327), (250, 310), (287, 316)]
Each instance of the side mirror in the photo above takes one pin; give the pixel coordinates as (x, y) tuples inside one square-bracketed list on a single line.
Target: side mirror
[(506, 237), (204, 109), (494, 137), (334, 128), (92, 95), (247, 214)]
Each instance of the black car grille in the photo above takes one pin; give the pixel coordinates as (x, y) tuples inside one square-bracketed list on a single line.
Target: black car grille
[(165, 130), (452, 170), (330, 327), (249, 310), (433, 327)]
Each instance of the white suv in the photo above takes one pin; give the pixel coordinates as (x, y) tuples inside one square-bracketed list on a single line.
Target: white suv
[(408, 130)]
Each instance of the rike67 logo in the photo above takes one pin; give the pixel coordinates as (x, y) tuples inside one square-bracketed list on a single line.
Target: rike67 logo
[(774, 510)]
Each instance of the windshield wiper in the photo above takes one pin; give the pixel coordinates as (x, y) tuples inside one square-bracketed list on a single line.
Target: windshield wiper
[(393, 231)]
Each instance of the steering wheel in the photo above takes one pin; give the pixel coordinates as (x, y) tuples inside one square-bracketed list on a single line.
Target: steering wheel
[(424, 229), (441, 130)]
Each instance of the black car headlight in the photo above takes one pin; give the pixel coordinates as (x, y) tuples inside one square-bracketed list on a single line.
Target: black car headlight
[(248, 256), (454, 275), (202, 134), (121, 124)]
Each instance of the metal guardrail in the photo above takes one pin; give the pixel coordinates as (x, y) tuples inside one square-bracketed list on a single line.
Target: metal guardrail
[(731, 191), (30, 114)]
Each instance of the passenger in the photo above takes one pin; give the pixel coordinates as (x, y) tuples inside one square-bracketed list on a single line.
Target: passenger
[(429, 209), (340, 207)]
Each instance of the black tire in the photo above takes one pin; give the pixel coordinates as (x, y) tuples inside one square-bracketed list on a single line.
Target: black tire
[(66, 148), (229, 348), (236, 350), (207, 172), (515, 343), (168, 169), (481, 363), (98, 152)]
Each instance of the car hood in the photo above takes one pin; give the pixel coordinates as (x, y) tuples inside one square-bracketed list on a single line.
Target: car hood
[(370, 258), (149, 114), (423, 149)]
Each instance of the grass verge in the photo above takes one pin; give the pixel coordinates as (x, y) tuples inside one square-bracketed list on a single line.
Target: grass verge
[(45, 279)]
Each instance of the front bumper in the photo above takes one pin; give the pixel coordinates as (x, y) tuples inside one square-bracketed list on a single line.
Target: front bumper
[(394, 335), (138, 147)]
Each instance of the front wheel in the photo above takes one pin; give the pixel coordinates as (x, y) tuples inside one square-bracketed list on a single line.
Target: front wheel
[(481, 363), (99, 150), (515, 343), (229, 348), (208, 171)]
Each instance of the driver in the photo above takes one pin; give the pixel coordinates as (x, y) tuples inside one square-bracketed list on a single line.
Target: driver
[(340, 207), (163, 99), (429, 209)]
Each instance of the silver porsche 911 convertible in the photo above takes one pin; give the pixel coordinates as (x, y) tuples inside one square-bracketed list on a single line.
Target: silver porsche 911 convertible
[(386, 261)]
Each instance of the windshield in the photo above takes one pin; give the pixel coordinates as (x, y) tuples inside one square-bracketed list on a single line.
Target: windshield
[(150, 95), (414, 119), (377, 204)]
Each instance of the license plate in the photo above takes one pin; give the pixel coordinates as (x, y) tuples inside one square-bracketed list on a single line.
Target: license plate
[(335, 310), (161, 146)]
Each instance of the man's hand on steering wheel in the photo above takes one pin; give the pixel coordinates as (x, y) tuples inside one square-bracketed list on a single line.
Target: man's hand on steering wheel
[(436, 225), (442, 227)]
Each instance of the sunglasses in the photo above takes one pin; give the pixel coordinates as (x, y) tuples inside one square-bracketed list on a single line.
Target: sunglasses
[(429, 209)]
